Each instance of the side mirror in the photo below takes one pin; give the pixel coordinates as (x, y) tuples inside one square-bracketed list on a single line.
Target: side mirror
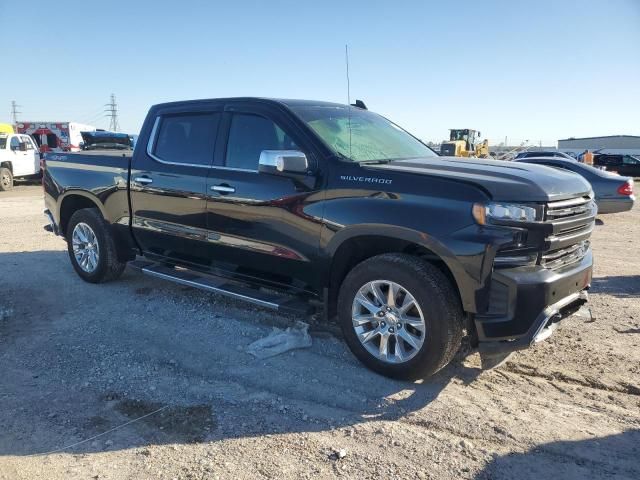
[(23, 146), (283, 161)]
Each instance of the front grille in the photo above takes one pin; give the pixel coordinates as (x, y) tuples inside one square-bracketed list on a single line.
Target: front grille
[(565, 256), (568, 208), (572, 222)]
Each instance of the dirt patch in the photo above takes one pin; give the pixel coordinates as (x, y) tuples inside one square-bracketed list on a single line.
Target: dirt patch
[(182, 424)]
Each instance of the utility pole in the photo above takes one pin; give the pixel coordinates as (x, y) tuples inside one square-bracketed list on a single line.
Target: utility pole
[(14, 112), (112, 112)]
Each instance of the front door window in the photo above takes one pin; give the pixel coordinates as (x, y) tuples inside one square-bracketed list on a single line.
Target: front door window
[(249, 135)]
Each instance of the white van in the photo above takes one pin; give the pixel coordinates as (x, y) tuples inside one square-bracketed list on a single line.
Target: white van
[(19, 158)]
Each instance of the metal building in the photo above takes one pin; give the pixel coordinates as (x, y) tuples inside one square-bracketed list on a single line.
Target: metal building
[(629, 144)]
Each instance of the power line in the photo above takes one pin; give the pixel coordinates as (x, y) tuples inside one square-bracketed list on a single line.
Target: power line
[(97, 118), (14, 112), (112, 113)]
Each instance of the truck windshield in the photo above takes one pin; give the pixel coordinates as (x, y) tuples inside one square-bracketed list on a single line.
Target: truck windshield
[(361, 136), (3, 142)]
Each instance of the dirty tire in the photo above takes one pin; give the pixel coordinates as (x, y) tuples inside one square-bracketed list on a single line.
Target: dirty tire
[(109, 267), (438, 301), (6, 179)]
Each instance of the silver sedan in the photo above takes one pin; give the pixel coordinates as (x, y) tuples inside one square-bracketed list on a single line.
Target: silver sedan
[(613, 192)]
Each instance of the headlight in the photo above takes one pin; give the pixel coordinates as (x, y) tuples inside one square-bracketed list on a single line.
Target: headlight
[(503, 212)]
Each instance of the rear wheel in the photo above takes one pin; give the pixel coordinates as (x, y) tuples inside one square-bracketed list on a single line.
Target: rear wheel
[(6, 179), (400, 316), (91, 247)]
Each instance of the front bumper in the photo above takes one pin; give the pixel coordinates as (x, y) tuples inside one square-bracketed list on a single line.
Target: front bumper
[(526, 303)]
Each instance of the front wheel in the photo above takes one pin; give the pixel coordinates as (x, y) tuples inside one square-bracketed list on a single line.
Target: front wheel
[(400, 316), (91, 247), (6, 179)]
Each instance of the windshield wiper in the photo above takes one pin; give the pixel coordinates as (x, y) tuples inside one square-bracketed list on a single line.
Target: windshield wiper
[(375, 162), (378, 161), (342, 156)]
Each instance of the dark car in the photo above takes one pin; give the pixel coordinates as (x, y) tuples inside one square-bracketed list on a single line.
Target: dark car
[(613, 192), (296, 205), (544, 153), (100, 140), (628, 165)]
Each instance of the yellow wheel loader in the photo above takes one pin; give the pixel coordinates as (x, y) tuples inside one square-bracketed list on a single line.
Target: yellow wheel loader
[(464, 142)]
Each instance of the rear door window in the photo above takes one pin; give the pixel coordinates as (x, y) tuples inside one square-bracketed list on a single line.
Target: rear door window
[(187, 139), (555, 165), (563, 167)]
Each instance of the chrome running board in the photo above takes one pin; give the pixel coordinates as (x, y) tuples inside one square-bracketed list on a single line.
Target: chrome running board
[(281, 302)]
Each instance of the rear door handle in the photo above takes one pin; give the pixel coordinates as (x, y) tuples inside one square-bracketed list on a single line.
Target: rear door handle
[(143, 180), (223, 188)]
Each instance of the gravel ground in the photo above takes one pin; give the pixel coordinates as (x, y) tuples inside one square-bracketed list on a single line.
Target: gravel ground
[(78, 360)]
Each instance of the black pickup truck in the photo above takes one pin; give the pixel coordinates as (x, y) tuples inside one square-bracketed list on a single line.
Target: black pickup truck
[(306, 206)]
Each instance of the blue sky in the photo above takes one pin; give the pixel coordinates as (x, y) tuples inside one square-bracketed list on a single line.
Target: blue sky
[(537, 70)]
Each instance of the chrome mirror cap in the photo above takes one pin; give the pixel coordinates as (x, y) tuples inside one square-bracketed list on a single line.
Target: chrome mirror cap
[(284, 160)]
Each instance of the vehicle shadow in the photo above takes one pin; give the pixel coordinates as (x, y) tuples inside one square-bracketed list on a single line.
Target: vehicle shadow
[(612, 456), (622, 286), (140, 361)]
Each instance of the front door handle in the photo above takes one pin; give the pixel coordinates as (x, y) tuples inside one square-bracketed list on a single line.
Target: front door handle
[(143, 180), (223, 188)]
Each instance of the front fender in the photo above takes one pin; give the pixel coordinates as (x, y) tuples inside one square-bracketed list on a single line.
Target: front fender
[(466, 267)]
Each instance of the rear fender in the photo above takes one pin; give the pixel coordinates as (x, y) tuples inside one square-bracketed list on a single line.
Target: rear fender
[(78, 193)]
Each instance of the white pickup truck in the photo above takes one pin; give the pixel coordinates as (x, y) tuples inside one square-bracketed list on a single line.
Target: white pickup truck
[(19, 158)]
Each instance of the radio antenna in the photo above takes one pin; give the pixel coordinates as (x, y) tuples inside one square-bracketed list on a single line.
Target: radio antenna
[(346, 61)]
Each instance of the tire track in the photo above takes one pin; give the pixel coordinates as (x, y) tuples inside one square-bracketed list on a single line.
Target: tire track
[(555, 376)]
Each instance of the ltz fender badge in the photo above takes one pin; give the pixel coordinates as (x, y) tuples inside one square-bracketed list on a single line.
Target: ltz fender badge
[(350, 178)]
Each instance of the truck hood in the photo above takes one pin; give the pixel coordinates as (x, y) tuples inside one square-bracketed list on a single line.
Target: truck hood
[(502, 180)]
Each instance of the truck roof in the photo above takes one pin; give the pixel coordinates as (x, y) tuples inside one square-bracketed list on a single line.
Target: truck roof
[(282, 101)]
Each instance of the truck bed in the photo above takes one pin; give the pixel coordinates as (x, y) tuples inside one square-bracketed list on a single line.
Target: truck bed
[(110, 153)]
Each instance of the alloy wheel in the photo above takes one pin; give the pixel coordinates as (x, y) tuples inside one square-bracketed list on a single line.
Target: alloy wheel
[(85, 247), (388, 321)]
